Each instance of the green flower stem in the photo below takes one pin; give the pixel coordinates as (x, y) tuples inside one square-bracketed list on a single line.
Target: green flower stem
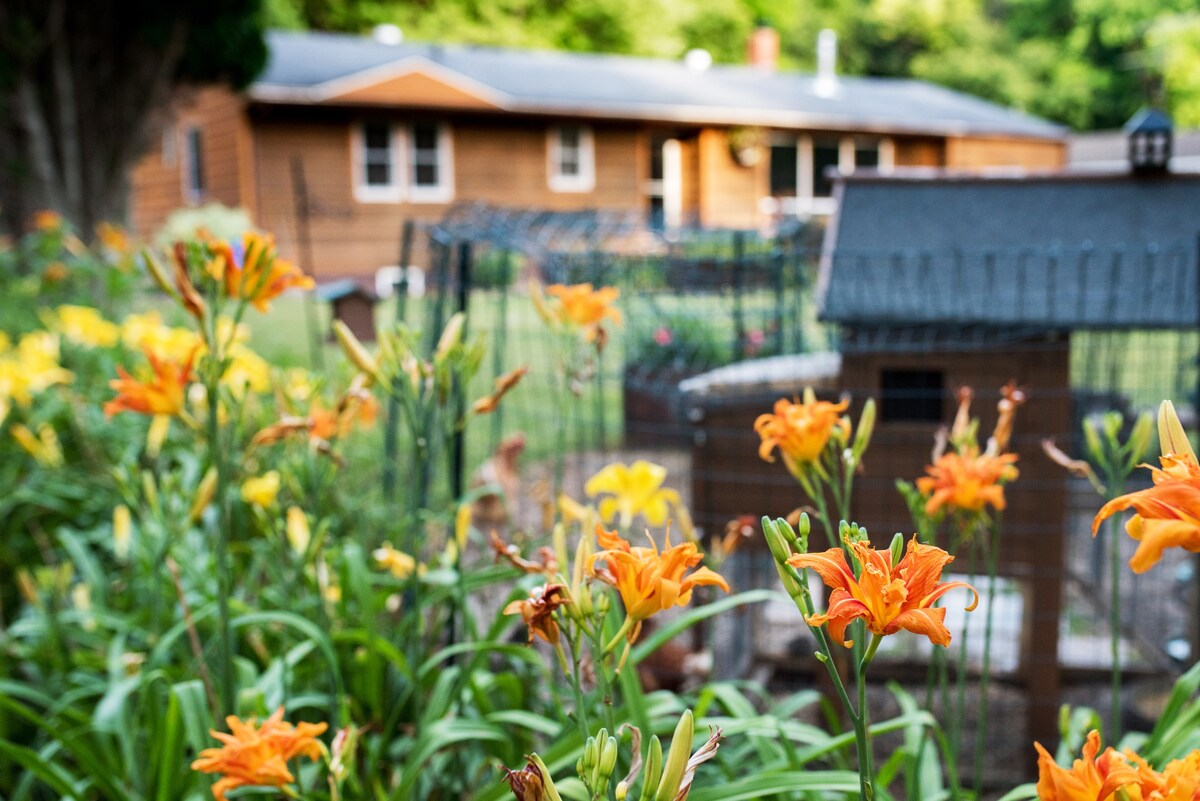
[(216, 455), (600, 663), (960, 678), (1114, 538), (993, 562), (822, 507), (857, 716), (572, 674), (620, 635)]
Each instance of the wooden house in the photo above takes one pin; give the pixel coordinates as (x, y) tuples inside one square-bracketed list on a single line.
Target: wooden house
[(383, 132)]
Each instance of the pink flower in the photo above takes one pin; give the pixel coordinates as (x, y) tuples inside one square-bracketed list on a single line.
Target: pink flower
[(663, 336)]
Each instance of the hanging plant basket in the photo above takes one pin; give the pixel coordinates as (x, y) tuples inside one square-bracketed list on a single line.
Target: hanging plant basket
[(746, 145)]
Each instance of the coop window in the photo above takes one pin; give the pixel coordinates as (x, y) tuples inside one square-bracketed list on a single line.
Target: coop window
[(430, 163), (194, 166), (571, 157), (911, 396)]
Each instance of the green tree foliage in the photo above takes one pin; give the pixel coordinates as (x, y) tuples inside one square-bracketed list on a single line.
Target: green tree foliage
[(1086, 63), (82, 81)]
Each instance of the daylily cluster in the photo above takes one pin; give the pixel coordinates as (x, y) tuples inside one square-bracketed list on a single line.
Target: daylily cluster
[(1167, 514), (886, 592), (1116, 775), (257, 755), (964, 479), (29, 368)]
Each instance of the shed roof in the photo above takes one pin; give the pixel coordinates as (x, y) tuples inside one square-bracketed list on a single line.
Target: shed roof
[(317, 67), (1062, 251)]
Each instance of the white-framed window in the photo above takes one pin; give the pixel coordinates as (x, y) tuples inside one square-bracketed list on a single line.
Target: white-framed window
[(801, 165), (193, 164), (374, 148), (430, 163), (394, 163), (571, 159)]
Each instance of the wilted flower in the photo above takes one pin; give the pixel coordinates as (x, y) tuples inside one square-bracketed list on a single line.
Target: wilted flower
[(887, 596), (502, 386), (800, 430), (547, 562), (538, 611), (257, 756), (650, 581)]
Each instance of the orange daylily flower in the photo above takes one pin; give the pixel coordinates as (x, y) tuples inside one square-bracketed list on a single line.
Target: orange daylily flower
[(967, 481), (648, 580), (1168, 514), (1088, 779), (259, 275), (258, 755), (800, 429), (164, 394), (587, 308), (887, 597), (538, 611)]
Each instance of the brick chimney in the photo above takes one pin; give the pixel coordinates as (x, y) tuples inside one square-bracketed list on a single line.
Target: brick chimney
[(762, 51)]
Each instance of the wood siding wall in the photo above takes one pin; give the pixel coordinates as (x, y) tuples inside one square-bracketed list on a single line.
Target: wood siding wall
[(157, 183), (981, 153), (495, 161), (729, 192)]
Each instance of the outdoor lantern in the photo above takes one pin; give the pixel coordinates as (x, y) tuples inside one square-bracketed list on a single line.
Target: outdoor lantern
[(1149, 133)]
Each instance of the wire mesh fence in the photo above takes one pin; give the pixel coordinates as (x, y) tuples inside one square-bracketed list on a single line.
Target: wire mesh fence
[(718, 325)]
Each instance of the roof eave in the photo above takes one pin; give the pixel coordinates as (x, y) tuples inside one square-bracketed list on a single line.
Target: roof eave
[(693, 115)]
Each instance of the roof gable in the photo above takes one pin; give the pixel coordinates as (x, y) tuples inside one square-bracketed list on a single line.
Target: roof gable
[(413, 82)]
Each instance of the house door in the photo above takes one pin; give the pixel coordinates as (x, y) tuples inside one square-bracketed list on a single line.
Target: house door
[(672, 171)]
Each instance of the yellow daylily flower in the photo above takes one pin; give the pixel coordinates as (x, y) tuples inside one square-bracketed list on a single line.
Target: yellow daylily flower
[(83, 325), (261, 490), (633, 489)]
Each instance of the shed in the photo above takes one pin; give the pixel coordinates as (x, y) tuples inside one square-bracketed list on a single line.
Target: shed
[(938, 281), (353, 304)]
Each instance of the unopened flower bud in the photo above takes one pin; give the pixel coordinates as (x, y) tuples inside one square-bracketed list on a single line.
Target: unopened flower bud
[(677, 758), (780, 549), (897, 548)]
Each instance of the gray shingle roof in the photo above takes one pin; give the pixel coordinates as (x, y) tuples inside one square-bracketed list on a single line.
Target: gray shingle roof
[(1062, 251), (638, 88)]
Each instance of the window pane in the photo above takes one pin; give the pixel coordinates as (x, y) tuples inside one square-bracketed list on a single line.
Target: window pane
[(656, 157), (568, 138), (569, 165), (379, 174), (425, 175), (825, 156), (195, 162), (425, 137), (783, 170), (377, 137), (911, 395), (866, 157)]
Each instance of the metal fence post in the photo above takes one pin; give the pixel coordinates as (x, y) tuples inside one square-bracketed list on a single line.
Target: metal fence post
[(739, 278)]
